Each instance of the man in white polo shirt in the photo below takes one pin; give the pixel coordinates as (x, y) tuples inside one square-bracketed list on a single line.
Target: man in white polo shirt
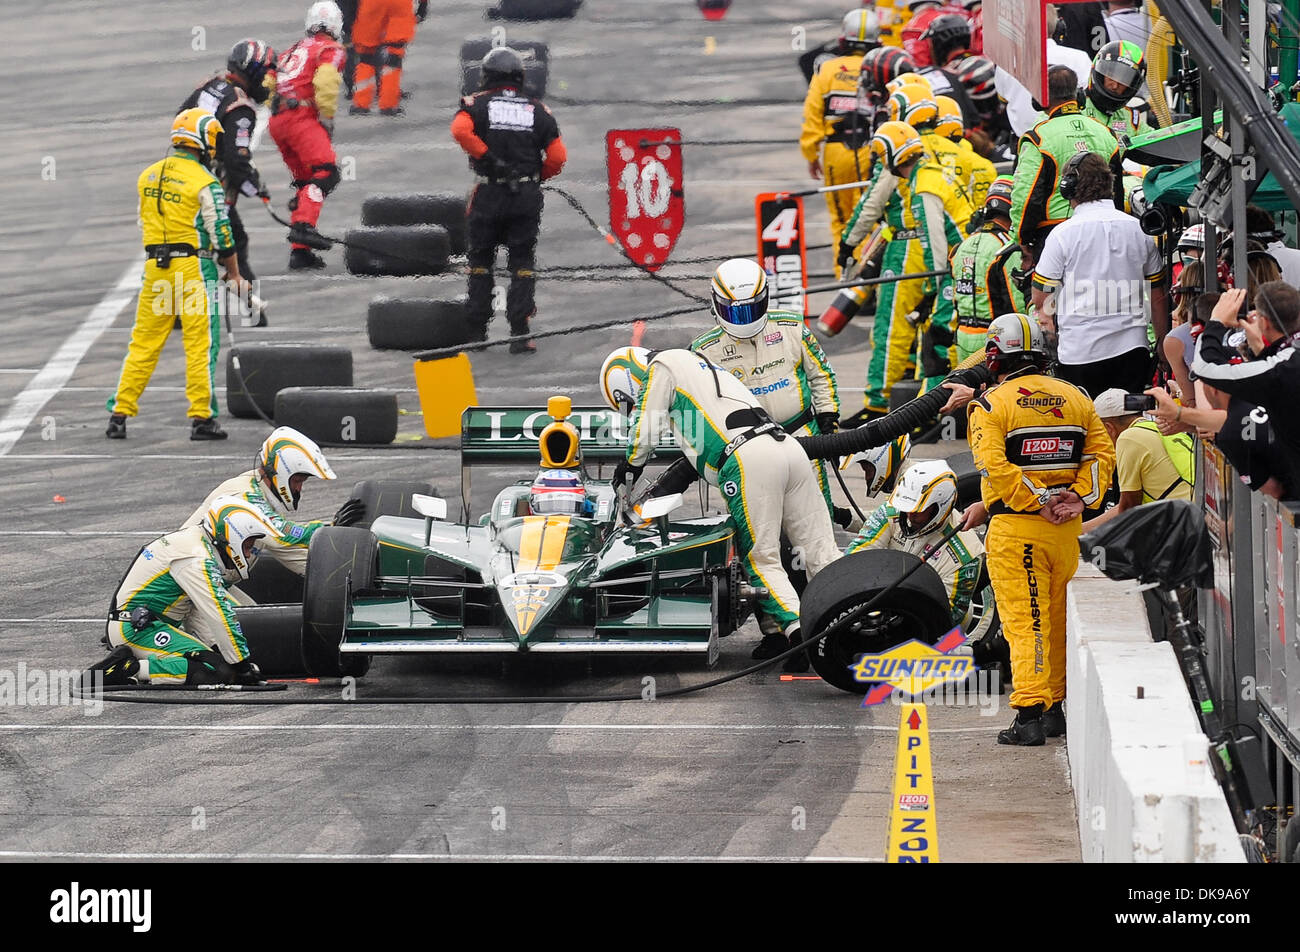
[(1089, 286)]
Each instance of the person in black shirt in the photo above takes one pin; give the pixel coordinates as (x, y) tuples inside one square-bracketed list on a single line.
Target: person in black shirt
[(514, 144), (233, 97)]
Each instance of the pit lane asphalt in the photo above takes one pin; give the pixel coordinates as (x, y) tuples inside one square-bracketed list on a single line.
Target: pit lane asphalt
[(757, 768)]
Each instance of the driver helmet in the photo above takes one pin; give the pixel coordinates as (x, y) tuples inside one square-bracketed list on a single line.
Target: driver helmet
[(287, 453), (924, 497), (198, 130), (558, 492), (234, 525), (1015, 341), (740, 298), (622, 377), (253, 61), (1121, 67), (881, 464)]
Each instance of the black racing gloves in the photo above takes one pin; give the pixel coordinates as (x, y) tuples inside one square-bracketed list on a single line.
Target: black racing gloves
[(350, 513), (623, 470), (845, 256), (827, 423)]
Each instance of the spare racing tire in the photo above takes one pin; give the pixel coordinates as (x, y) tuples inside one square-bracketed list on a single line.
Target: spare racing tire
[(266, 369), (389, 497), (418, 323), (426, 208), (341, 561), (534, 10), (339, 416), (399, 250), (915, 608), (273, 634), (536, 57)]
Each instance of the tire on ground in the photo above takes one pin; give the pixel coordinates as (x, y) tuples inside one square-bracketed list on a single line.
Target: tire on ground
[(339, 416), (400, 250), (534, 10), (341, 561), (417, 323), (269, 368), (917, 608), (425, 208), (389, 497), (273, 634), (271, 583), (536, 57)]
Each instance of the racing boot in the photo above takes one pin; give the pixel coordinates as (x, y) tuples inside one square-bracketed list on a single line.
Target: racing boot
[(1054, 720), (116, 427), (525, 346), (796, 663), (120, 667), (355, 110), (206, 429), (773, 644), (247, 672), (393, 111), (1026, 730), (207, 667), (302, 233), (302, 258)]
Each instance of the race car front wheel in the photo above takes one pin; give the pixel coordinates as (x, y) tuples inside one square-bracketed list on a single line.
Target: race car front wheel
[(341, 561), (915, 608)]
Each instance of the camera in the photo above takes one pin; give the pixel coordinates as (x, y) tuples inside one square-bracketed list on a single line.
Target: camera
[(1139, 402)]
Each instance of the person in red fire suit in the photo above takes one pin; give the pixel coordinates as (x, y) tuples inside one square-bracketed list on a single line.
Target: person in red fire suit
[(308, 76)]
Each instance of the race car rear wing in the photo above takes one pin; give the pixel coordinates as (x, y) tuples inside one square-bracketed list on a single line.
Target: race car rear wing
[(510, 434)]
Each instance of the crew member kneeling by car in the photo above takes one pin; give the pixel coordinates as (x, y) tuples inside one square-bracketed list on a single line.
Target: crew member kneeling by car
[(766, 479), (172, 621)]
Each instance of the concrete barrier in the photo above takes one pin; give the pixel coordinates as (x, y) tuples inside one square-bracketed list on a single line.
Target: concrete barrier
[(1137, 799)]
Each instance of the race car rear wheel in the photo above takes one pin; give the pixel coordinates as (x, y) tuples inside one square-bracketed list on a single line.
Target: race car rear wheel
[(917, 608), (341, 561)]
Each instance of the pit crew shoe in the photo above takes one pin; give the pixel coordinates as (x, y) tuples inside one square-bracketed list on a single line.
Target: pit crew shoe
[(1026, 730), (523, 346), (116, 427), (302, 233), (394, 111), (120, 667), (772, 645), (208, 429), (303, 258), (796, 663), (247, 672), (358, 110), (207, 667), (1054, 720), (861, 418)]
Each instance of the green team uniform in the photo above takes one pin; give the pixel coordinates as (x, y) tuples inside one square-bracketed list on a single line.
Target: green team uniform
[(785, 368), (767, 483), (1036, 202), (179, 578), (983, 287)]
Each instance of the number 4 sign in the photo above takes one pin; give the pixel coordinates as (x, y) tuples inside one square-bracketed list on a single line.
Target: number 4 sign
[(647, 205), (781, 249)]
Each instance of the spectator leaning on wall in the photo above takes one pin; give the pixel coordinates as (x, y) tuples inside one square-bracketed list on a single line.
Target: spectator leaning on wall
[(1148, 464), (1272, 379)]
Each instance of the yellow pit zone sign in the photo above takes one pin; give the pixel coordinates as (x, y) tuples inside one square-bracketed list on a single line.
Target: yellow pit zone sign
[(912, 668)]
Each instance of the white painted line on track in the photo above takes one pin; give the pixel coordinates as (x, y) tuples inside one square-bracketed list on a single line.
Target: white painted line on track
[(85, 532), (388, 457), (53, 621), (20, 370), (59, 368), (428, 857), (469, 728)]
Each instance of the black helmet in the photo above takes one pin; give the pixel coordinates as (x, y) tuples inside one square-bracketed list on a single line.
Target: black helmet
[(502, 66), (946, 35), (251, 60), (1121, 62)]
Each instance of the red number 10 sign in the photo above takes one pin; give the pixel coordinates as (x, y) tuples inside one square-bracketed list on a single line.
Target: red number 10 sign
[(647, 205)]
